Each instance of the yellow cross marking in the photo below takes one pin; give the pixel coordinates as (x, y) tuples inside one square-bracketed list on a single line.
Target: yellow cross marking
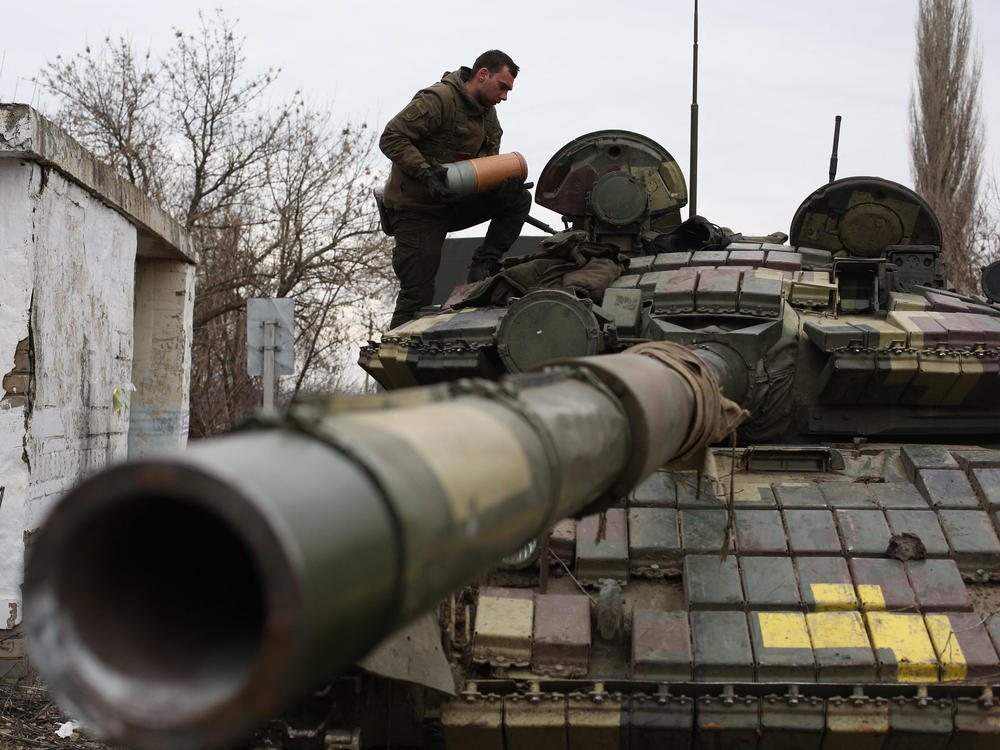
[(906, 636), (871, 597), (837, 630), (833, 596), (783, 630), (949, 651), (919, 644)]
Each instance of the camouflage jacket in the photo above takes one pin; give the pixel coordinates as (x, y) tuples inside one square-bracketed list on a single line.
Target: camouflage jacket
[(441, 124)]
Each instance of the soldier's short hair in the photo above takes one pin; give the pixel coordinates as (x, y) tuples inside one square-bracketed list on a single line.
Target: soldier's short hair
[(494, 61)]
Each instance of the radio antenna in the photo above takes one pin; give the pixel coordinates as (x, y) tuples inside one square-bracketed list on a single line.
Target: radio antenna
[(693, 188)]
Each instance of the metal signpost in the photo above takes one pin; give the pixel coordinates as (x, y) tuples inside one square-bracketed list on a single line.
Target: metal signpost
[(270, 339)]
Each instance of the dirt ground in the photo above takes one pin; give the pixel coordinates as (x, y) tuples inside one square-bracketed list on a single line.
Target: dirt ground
[(28, 719)]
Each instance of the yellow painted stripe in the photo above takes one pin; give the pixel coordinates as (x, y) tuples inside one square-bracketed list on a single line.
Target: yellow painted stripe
[(903, 368), (837, 630), (972, 373), (888, 334), (833, 596), (905, 635), (393, 359), (767, 273), (949, 651), (872, 598), (937, 376), (503, 628), (783, 630), (419, 325), (905, 302)]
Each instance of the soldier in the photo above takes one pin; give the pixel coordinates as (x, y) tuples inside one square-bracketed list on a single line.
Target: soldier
[(452, 120)]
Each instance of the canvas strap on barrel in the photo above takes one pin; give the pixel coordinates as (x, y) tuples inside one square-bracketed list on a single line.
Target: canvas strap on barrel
[(715, 416)]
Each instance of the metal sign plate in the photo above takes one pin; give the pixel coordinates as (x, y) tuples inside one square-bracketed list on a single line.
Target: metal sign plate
[(261, 312)]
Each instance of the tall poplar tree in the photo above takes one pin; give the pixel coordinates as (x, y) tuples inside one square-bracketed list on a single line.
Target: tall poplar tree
[(946, 132)]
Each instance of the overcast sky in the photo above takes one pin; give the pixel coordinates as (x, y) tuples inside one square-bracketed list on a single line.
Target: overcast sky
[(773, 73)]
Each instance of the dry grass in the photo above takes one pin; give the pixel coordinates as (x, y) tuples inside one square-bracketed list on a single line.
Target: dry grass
[(29, 719)]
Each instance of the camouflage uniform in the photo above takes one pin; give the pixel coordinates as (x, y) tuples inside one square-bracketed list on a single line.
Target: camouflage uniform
[(442, 124)]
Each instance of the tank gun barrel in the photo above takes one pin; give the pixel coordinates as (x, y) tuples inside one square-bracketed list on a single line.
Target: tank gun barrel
[(176, 602)]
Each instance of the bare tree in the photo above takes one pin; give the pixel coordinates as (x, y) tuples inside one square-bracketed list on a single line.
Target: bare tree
[(109, 100), (946, 132), (277, 198)]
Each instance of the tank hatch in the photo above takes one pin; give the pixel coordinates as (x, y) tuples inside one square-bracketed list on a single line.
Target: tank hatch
[(615, 176), (862, 216)]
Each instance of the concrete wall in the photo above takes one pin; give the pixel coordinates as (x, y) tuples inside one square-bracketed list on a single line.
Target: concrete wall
[(96, 299)]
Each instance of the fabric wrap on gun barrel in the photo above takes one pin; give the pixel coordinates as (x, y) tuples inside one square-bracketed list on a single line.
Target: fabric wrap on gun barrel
[(715, 416)]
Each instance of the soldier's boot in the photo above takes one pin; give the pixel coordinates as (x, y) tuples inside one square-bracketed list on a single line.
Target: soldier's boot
[(504, 229)]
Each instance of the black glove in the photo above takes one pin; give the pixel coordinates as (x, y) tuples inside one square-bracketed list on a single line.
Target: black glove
[(483, 268), (511, 188), (434, 179)]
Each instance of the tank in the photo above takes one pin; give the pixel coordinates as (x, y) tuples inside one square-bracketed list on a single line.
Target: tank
[(712, 491)]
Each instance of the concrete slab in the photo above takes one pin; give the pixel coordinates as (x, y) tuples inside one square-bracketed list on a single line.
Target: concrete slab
[(781, 645), (916, 457), (562, 540), (712, 583), (760, 532), (847, 495), (503, 629), (963, 646), (561, 641), (692, 495), (972, 538), (661, 645), (825, 584), (898, 495), (902, 646), (938, 586), (657, 490), (703, 531), (919, 724), (864, 533), (841, 647), (922, 523), (992, 623), (986, 483), (602, 552), (769, 583), (812, 532), (882, 585), (946, 488), (791, 721), (654, 539), (799, 495), (976, 459), (594, 720), (722, 649)]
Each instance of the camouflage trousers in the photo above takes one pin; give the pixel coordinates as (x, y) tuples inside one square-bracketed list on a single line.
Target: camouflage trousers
[(419, 237)]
